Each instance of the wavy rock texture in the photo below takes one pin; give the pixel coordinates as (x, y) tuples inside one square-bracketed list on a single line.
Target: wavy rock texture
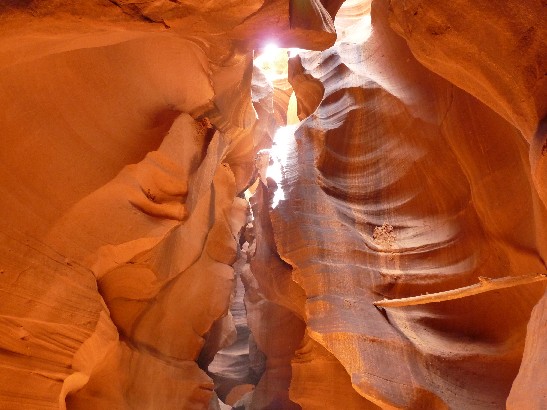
[(131, 131), (115, 224), (390, 186), (497, 54), (128, 135), (274, 309)]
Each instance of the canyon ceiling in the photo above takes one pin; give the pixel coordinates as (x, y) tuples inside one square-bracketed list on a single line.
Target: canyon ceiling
[(150, 260)]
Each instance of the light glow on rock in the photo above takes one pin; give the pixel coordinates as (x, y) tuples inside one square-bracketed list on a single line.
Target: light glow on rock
[(272, 60), (281, 149)]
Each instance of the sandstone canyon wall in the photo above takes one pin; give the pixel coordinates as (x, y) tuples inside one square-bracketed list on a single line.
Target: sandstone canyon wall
[(145, 262)]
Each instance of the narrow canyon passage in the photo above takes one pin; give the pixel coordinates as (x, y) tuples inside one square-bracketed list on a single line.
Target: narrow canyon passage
[(262, 324), (377, 195), (273, 204)]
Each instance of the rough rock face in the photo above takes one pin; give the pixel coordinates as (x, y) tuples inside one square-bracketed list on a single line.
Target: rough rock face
[(496, 54), (128, 135), (131, 134), (389, 190)]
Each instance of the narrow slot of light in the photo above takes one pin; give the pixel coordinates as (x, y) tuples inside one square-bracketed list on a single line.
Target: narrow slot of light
[(270, 49), (271, 59), (267, 55), (283, 144)]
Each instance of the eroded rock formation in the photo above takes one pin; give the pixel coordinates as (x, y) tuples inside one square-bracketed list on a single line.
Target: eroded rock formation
[(132, 136)]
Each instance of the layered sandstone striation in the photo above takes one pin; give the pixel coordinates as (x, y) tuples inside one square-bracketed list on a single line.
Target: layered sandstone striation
[(129, 136), (398, 183), (147, 262)]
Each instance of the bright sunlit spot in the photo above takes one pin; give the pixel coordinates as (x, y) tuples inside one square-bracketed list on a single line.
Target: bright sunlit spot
[(270, 49), (353, 22), (279, 153), (273, 62)]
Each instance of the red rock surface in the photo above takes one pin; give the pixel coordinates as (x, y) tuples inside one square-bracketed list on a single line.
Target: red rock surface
[(134, 274)]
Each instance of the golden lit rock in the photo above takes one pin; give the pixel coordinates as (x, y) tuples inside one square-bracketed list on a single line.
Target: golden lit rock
[(273, 204)]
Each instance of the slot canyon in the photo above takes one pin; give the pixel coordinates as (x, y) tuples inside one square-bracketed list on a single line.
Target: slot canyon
[(273, 204)]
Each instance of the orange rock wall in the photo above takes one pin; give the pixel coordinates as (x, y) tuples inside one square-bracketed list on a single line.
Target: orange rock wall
[(130, 133)]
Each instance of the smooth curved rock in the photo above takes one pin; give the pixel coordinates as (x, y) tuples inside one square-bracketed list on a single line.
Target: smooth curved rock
[(132, 134), (496, 53), (389, 195)]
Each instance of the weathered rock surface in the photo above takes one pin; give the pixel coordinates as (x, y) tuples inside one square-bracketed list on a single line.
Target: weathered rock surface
[(389, 192), (496, 53), (125, 146), (131, 131)]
